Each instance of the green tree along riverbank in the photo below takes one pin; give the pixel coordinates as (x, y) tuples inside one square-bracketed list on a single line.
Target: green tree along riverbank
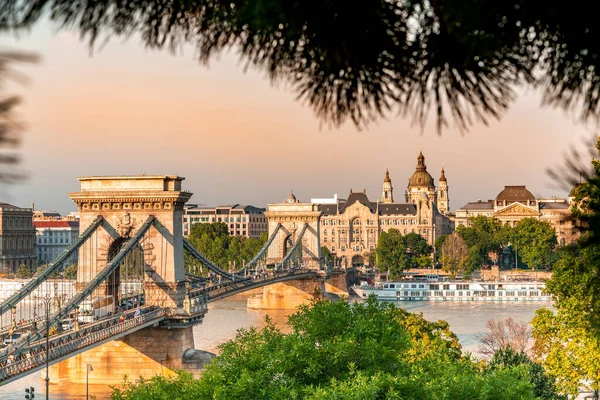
[(485, 241), (338, 350), (214, 242), (567, 338)]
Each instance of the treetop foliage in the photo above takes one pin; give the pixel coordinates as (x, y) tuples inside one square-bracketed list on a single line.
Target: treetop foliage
[(359, 61), (396, 253), (339, 350), (214, 242), (534, 240)]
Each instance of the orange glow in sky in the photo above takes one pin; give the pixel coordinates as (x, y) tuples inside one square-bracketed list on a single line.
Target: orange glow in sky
[(238, 139)]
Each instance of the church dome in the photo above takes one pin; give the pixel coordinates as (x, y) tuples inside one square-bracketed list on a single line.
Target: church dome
[(511, 194), (421, 177), (291, 198)]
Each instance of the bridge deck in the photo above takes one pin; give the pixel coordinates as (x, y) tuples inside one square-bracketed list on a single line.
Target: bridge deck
[(67, 345)]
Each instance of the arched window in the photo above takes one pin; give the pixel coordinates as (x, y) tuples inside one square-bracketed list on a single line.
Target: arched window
[(442, 193)]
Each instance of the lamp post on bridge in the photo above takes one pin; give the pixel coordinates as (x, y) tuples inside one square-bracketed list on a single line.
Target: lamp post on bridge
[(88, 368), (46, 301)]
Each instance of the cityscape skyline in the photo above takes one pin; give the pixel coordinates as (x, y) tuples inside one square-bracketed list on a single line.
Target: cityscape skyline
[(229, 132)]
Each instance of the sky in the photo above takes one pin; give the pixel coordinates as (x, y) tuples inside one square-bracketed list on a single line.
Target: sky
[(237, 138)]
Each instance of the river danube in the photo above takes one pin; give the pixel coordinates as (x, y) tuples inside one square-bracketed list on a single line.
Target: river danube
[(466, 319)]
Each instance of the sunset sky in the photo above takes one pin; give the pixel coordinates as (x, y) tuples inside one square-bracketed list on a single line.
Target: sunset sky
[(236, 138)]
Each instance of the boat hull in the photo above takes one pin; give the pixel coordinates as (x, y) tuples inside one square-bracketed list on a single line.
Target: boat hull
[(449, 291)]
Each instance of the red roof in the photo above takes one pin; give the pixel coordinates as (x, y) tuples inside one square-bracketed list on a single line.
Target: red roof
[(56, 224)]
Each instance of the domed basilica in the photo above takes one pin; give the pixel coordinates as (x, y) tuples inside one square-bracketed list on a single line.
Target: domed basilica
[(350, 227)]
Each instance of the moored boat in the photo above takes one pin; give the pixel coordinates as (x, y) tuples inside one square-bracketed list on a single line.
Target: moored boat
[(454, 290)]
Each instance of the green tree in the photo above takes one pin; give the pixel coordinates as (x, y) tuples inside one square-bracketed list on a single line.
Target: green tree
[(23, 272), (439, 242), (418, 250), (535, 241), (370, 350), (391, 253), (575, 275), (454, 254), (484, 236), (40, 269), (71, 271), (327, 256), (543, 384), (568, 348), (213, 241)]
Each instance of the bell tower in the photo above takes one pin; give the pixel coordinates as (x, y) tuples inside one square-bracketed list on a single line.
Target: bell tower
[(443, 202), (387, 191)]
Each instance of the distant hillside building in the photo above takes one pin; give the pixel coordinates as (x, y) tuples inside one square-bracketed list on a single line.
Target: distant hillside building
[(515, 203), (54, 235), (242, 220), (17, 238)]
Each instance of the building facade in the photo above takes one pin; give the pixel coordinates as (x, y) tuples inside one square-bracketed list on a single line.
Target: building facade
[(350, 227), (514, 203), (54, 235), (17, 238), (242, 220)]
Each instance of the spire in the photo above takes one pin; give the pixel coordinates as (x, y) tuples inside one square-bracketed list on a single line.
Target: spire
[(443, 175), (387, 192), (387, 176), (421, 161)]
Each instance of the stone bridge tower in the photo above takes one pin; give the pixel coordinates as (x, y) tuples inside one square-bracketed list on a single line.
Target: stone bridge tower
[(293, 215), (125, 202)]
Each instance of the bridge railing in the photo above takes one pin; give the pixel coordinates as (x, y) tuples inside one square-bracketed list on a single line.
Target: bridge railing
[(13, 300), (94, 283), (64, 345)]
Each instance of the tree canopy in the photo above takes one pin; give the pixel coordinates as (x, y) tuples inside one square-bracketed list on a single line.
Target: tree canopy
[(568, 348), (454, 254), (214, 242), (24, 272), (544, 386), (483, 237), (534, 240), (396, 253), (358, 61), (370, 350)]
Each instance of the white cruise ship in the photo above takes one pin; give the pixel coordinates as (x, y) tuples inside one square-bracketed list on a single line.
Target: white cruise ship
[(435, 289)]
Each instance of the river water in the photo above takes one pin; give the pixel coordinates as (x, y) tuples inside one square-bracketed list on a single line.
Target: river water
[(225, 317)]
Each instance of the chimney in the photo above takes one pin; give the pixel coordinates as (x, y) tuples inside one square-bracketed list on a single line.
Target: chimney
[(32, 206)]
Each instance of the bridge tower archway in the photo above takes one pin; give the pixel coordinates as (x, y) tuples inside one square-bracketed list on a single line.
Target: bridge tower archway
[(125, 203), (292, 215)]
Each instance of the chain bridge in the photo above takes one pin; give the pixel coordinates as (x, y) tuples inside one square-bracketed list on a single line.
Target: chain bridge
[(131, 308)]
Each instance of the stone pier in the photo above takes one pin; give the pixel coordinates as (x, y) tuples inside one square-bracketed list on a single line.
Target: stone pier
[(147, 352), (289, 295)]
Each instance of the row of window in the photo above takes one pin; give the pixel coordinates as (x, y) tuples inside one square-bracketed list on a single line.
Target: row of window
[(51, 240), (476, 293), (17, 222), (49, 232), (357, 222), (13, 242)]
